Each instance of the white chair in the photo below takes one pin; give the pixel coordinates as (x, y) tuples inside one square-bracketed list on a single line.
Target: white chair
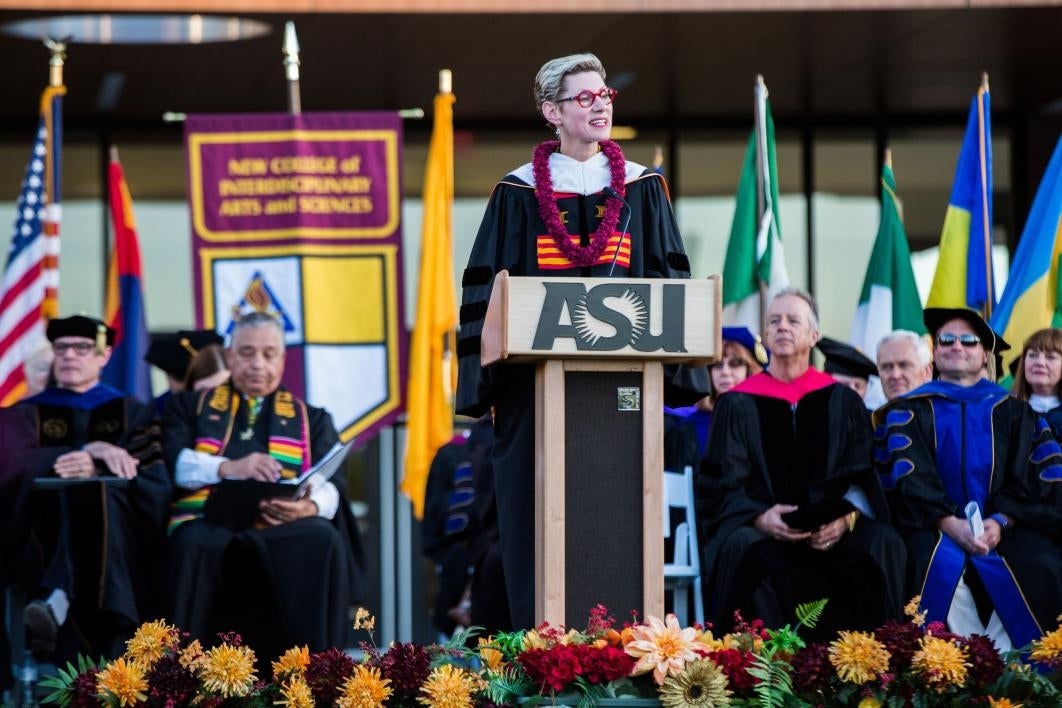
[(683, 573)]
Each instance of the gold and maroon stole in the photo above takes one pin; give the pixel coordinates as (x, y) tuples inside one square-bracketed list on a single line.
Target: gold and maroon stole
[(216, 412)]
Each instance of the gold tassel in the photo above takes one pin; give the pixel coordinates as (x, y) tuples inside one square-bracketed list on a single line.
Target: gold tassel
[(101, 338), (188, 346), (761, 351)]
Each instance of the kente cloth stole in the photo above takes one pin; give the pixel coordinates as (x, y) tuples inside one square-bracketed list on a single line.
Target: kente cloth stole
[(289, 433), (289, 439)]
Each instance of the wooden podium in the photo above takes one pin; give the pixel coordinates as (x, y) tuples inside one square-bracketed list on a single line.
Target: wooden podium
[(600, 346)]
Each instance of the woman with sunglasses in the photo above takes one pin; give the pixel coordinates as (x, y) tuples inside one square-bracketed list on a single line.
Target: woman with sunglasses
[(579, 208), (1038, 378)]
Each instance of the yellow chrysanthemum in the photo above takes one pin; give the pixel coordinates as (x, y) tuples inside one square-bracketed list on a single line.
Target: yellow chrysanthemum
[(122, 681), (292, 662), (364, 689), (191, 656), (295, 693), (228, 670), (869, 702), (858, 657), (940, 662), (664, 647), (364, 620), (1048, 648), (918, 618), (703, 684), (491, 657), (151, 642), (449, 686), (1002, 703)]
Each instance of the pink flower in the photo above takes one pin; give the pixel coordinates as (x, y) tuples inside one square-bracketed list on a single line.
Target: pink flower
[(664, 647)]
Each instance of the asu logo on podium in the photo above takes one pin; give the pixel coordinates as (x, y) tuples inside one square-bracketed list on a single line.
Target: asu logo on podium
[(611, 316), (532, 318)]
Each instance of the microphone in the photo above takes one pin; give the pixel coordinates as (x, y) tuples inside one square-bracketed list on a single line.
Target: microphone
[(611, 193)]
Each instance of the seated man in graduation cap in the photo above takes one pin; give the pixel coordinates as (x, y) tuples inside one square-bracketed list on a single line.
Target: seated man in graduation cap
[(92, 553), (847, 365), (973, 479), (173, 353), (787, 496), (290, 577)]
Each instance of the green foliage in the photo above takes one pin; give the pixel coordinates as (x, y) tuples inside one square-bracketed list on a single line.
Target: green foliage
[(510, 644), (810, 613), (775, 681), (506, 686), (62, 684)]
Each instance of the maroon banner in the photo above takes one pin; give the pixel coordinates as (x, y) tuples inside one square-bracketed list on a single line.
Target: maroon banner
[(300, 216)]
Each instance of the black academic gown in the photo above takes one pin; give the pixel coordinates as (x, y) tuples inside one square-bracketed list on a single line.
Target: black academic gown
[(508, 240), (943, 446), (103, 545), (808, 450), (18, 440), (277, 586)]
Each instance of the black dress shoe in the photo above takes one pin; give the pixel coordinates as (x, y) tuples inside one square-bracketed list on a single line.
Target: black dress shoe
[(41, 626)]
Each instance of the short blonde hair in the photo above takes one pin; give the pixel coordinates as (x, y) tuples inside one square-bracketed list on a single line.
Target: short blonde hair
[(549, 81)]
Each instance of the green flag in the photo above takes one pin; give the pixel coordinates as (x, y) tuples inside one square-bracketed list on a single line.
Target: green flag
[(754, 256), (889, 299)]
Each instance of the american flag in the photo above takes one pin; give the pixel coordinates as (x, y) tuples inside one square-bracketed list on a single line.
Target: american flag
[(30, 286)]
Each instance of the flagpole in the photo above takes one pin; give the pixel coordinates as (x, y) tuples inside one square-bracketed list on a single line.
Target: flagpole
[(985, 196), (446, 86), (760, 111), (291, 69)]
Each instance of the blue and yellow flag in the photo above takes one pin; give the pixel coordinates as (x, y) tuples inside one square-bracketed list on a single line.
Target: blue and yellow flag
[(964, 269), (1031, 300)]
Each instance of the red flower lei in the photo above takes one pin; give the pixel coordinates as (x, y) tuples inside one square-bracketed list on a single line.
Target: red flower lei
[(579, 256)]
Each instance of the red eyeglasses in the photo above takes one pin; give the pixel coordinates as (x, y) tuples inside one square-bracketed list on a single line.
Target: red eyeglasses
[(586, 98)]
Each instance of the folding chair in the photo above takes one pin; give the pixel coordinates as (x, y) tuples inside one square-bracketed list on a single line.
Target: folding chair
[(683, 573)]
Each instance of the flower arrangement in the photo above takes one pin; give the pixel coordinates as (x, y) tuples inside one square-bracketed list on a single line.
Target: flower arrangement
[(908, 664)]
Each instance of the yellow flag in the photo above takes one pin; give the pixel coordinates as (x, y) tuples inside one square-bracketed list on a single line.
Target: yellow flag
[(432, 359)]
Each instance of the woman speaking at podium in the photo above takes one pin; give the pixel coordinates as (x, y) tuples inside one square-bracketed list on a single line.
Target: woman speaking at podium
[(579, 208)]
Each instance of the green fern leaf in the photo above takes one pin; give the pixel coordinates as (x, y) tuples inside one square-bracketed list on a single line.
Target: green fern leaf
[(810, 612)]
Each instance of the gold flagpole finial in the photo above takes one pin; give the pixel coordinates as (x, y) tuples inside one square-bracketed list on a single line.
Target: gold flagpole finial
[(55, 65)]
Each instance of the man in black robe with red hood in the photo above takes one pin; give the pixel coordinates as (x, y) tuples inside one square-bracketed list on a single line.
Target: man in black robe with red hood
[(790, 508)]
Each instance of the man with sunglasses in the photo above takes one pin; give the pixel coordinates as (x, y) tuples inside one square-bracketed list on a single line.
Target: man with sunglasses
[(90, 547), (973, 479)]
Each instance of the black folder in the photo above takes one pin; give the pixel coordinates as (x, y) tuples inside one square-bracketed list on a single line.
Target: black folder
[(809, 517)]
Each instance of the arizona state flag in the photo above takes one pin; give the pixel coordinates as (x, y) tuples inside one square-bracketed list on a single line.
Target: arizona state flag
[(127, 370), (433, 366)]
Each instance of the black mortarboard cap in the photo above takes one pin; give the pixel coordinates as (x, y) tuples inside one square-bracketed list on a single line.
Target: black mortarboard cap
[(172, 352), (937, 317), (845, 359), (81, 326)]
